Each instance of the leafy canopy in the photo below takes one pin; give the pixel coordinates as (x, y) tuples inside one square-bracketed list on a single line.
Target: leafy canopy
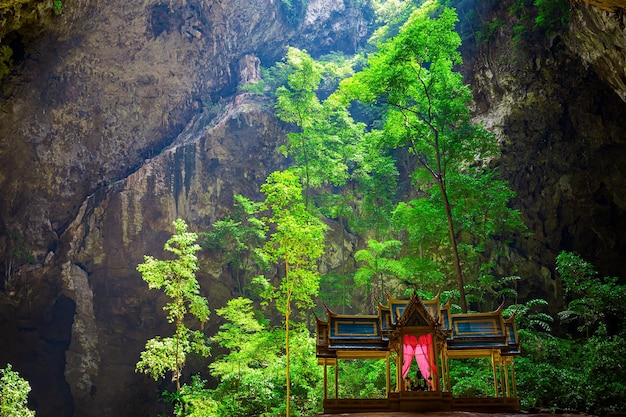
[(297, 242), (377, 264), (425, 104), (178, 280), (238, 237), (14, 394), (595, 304)]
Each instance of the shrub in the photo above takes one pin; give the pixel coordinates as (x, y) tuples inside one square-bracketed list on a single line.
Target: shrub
[(14, 394)]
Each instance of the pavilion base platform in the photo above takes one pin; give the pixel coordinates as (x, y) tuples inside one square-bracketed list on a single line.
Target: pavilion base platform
[(421, 402), (487, 405)]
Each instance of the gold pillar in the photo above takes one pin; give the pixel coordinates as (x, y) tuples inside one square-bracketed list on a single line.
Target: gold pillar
[(513, 378), (337, 379), (495, 374), (445, 369), (506, 377), (325, 380), (502, 368), (398, 374), (388, 379)]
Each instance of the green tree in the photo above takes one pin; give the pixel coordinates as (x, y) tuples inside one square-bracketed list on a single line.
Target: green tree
[(377, 263), (239, 335), (14, 394), (375, 177), (298, 103), (193, 400), (296, 243), (322, 146), (595, 304), (427, 114), (529, 317), (250, 374), (586, 369), (239, 236), (178, 280), (488, 291), (247, 372)]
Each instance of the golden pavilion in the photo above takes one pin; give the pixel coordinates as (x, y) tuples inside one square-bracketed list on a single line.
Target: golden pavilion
[(423, 332)]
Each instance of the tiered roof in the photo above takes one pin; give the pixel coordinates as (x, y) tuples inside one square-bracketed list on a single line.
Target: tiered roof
[(369, 335)]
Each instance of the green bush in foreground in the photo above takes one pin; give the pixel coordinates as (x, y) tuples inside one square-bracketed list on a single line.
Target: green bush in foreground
[(13, 394)]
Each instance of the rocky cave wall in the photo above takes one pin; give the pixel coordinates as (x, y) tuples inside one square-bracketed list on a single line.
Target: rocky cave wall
[(119, 118), (557, 103), (112, 126)]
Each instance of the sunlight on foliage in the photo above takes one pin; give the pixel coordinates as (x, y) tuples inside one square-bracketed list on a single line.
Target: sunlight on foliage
[(178, 281), (14, 394)]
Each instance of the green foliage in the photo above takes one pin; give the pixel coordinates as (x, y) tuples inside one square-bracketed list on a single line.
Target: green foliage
[(275, 76), (360, 378), (297, 242), (584, 375), (337, 66), (412, 73), (299, 104), (529, 316), (377, 263), (193, 400), (258, 88), (253, 372), (177, 279), (426, 239), (14, 394), (322, 147), (584, 371), (471, 377), (427, 115), (595, 304), (243, 335), (246, 382), (539, 17), (390, 15), (491, 290), (376, 177), (17, 254), (57, 6), (336, 290), (473, 24), (238, 237), (329, 148), (552, 15), (489, 30), (5, 60), (294, 10)]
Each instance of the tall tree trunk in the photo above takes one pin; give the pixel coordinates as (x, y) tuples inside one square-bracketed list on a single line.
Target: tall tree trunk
[(287, 315), (455, 248)]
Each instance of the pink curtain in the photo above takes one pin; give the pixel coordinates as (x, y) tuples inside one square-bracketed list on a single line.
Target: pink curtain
[(422, 349), (410, 343)]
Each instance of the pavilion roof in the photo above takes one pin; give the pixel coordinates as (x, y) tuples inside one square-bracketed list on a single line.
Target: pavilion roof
[(475, 332)]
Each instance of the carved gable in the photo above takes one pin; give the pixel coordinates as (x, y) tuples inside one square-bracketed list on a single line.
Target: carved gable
[(415, 314)]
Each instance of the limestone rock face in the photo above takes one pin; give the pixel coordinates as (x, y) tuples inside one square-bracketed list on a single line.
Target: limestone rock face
[(609, 5), (327, 22), (598, 36), (192, 179), (118, 118), (559, 115), (249, 70)]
